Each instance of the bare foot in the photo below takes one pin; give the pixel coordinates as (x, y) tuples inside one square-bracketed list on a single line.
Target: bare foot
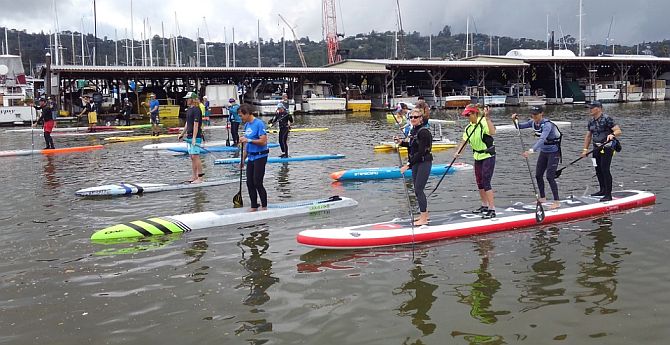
[(555, 205), (196, 181), (253, 209), (420, 223), (264, 208)]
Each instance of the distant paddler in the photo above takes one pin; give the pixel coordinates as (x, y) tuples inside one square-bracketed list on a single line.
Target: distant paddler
[(256, 150), (234, 120), (284, 119), (46, 116), (193, 132), (208, 111), (154, 114)]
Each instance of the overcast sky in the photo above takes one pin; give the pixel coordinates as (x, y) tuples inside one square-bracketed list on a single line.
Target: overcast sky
[(634, 21)]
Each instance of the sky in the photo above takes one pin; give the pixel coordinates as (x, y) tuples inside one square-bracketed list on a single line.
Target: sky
[(631, 22)]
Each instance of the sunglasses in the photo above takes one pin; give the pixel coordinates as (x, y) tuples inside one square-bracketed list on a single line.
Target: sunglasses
[(416, 117)]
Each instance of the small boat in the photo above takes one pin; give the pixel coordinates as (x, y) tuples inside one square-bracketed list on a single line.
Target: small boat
[(201, 220), (12, 153), (393, 172), (463, 223), (284, 160), (139, 188), (457, 101)]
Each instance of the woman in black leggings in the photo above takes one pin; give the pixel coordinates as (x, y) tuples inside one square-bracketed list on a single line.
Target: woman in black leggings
[(420, 160), (256, 140)]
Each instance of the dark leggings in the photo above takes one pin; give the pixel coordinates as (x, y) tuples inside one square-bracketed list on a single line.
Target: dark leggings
[(547, 161), (484, 172), (420, 173), (283, 139), (48, 140), (255, 174), (235, 128), (603, 158)]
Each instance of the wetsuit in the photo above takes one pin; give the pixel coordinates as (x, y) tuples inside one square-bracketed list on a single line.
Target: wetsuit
[(257, 156), (235, 120), (127, 110), (600, 128), (549, 147), (284, 119), (420, 161), (49, 123)]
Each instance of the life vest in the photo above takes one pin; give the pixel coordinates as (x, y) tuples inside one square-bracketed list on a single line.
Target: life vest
[(549, 141), (488, 141)]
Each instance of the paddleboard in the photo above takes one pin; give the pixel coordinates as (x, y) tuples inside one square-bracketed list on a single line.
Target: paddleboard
[(201, 220), (181, 144), (80, 129), (283, 160), (139, 138), (172, 130), (392, 172), (12, 153), (464, 223), (438, 145), (139, 188), (209, 149), (310, 129), (508, 128), (85, 134)]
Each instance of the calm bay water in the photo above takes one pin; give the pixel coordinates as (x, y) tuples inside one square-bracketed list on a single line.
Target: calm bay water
[(596, 281)]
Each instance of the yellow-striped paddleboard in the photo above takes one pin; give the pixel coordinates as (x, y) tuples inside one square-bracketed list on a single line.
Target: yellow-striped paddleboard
[(139, 138), (392, 147)]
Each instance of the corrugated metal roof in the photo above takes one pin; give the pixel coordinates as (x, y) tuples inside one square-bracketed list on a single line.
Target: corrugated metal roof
[(436, 63), (205, 70), (604, 58)]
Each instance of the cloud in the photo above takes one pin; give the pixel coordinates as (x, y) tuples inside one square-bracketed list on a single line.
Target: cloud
[(645, 21)]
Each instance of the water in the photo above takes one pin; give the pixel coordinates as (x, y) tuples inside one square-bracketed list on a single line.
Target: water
[(596, 281)]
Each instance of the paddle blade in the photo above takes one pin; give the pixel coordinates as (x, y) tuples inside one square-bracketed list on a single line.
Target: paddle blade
[(539, 212), (237, 200)]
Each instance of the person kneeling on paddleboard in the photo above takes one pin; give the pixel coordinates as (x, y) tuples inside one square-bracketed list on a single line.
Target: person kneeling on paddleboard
[(603, 131), (256, 140), (193, 131), (479, 133), (549, 147), (420, 160)]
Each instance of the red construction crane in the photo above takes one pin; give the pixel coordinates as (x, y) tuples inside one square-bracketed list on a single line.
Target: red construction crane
[(330, 30)]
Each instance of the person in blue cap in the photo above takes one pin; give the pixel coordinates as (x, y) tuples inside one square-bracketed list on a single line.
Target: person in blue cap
[(603, 132), (548, 145), (285, 120)]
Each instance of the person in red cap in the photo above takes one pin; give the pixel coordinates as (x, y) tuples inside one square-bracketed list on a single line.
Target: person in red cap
[(479, 134)]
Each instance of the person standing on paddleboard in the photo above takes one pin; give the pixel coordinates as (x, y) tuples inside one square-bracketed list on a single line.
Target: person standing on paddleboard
[(479, 133), (154, 114), (256, 149), (48, 119), (193, 132), (603, 132), (420, 160), (548, 145), (208, 111), (234, 120), (127, 110), (284, 120)]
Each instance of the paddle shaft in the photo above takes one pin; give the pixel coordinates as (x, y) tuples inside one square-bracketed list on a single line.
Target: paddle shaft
[(558, 172), (539, 210), (228, 129), (404, 183)]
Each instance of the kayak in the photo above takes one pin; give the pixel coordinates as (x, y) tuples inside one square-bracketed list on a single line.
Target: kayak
[(283, 160), (84, 134), (310, 129), (139, 137), (180, 144), (201, 220), (389, 146), (508, 128), (139, 188), (220, 148), (392, 172), (464, 223), (12, 153)]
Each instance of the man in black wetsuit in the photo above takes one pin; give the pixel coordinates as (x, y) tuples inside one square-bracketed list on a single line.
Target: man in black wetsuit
[(47, 108), (285, 121)]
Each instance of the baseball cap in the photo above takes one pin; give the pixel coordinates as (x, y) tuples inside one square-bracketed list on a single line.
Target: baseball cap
[(536, 109), (595, 104), (231, 100), (191, 95), (471, 108)]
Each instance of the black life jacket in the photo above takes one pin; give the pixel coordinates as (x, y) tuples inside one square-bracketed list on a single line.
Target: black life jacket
[(488, 141)]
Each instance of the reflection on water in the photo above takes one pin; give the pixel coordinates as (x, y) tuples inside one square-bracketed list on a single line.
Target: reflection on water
[(258, 280), (598, 270), (195, 252), (283, 186), (421, 299), (51, 181), (541, 288)]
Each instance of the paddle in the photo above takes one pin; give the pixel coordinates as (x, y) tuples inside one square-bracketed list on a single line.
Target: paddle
[(237, 199), (456, 156), (539, 210), (404, 181), (559, 171), (228, 129)]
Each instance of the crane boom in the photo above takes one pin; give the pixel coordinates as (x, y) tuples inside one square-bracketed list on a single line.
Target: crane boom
[(330, 31), (297, 43)]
